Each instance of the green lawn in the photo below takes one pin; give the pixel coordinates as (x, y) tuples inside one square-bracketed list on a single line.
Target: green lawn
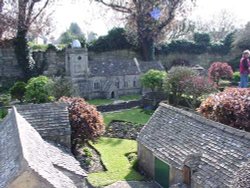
[(134, 115), (113, 152), (100, 101)]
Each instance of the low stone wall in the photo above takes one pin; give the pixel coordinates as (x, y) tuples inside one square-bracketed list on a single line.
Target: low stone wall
[(119, 106)]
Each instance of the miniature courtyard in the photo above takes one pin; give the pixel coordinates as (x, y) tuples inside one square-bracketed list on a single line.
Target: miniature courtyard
[(162, 100)]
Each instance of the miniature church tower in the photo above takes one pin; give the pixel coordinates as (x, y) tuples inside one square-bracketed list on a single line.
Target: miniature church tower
[(77, 61)]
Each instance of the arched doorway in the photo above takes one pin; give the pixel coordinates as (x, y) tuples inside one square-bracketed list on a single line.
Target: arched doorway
[(112, 95)]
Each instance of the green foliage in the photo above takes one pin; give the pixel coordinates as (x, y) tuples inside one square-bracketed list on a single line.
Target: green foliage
[(172, 85), (18, 91), (230, 107), (74, 32), (87, 152), (37, 90), (3, 113), (86, 122), (202, 39), (236, 76), (5, 99), (201, 44), (115, 40), (153, 79), (60, 87), (37, 47), (23, 54), (219, 70), (117, 164)]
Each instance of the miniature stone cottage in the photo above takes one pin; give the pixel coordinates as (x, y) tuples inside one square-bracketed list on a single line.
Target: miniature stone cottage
[(178, 147), (28, 161)]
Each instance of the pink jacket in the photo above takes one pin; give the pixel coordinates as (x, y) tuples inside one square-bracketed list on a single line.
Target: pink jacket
[(242, 70)]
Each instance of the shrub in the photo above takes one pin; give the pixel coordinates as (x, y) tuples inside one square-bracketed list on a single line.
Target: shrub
[(236, 76), (220, 70), (195, 87), (37, 90), (86, 122), (230, 107), (153, 79), (172, 84), (60, 87), (18, 91)]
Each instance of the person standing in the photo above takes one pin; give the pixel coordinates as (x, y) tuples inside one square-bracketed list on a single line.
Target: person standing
[(244, 69)]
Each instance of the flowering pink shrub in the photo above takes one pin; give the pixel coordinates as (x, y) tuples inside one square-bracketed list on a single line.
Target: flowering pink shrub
[(220, 70), (230, 107), (196, 86)]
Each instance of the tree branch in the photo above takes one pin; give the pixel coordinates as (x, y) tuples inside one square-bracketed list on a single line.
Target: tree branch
[(116, 7), (40, 11)]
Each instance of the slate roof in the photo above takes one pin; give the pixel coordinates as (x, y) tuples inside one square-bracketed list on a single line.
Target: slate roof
[(121, 67), (242, 179), (113, 68), (49, 119), (175, 135), (33, 153)]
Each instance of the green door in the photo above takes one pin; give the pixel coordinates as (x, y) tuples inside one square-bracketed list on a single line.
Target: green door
[(161, 173)]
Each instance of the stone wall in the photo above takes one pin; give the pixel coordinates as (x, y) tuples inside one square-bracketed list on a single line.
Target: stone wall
[(119, 106), (54, 62)]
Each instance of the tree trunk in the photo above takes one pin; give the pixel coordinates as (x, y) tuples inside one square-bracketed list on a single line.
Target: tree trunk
[(22, 53), (147, 49)]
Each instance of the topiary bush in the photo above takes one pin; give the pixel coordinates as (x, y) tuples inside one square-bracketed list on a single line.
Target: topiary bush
[(172, 85), (230, 107), (37, 90), (219, 70), (86, 122), (17, 91)]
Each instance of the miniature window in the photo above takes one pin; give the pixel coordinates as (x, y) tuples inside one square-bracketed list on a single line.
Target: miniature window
[(187, 175), (125, 84), (79, 58), (134, 83), (96, 85), (117, 84)]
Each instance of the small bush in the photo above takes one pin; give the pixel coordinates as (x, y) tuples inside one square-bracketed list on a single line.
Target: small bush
[(153, 79), (230, 107), (236, 76), (18, 91), (60, 87), (87, 152), (172, 85), (37, 90), (219, 70), (86, 122), (195, 87)]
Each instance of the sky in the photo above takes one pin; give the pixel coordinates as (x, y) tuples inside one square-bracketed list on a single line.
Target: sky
[(99, 19)]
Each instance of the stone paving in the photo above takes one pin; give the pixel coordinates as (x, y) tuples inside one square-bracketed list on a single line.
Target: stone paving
[(133, 184)]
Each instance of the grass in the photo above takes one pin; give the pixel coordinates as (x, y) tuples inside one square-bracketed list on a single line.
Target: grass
[(130, 97), (113, 151), (134, 115), (99, 101)]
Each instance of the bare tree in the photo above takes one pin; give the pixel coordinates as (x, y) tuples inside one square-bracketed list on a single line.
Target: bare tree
[(150, 19), (218, 26), (17, 19)]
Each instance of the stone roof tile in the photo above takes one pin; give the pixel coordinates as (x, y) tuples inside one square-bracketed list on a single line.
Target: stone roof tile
[(174, 134)]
